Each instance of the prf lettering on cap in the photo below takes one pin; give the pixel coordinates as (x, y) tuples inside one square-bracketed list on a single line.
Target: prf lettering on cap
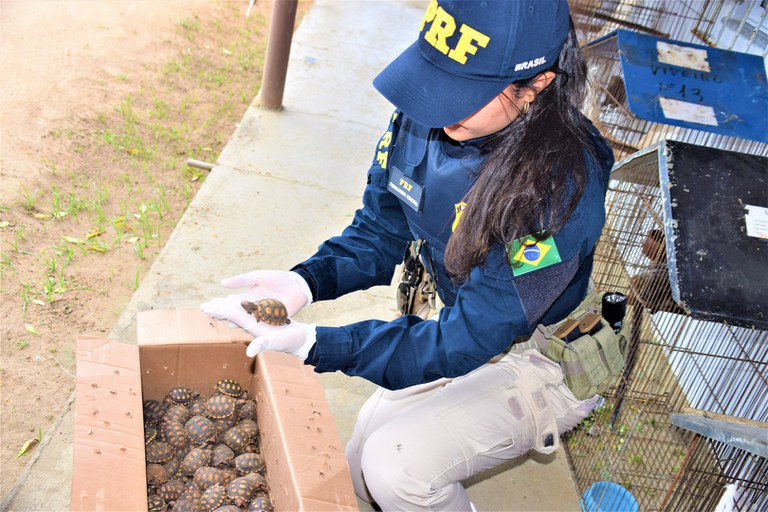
[(443, 26)]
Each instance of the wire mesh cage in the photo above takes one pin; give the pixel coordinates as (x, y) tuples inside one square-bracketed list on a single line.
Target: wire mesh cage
[(634, 110), (677, 359)]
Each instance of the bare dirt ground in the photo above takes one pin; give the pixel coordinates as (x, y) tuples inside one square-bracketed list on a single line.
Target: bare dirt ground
[(102, 102)]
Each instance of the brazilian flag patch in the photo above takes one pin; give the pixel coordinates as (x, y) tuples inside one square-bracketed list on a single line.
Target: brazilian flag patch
[(527, 254)]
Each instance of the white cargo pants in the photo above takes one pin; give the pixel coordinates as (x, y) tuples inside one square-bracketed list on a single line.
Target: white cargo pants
[(411, 448)]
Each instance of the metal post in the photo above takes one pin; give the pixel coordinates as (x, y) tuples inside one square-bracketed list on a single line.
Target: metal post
[(278, 50)]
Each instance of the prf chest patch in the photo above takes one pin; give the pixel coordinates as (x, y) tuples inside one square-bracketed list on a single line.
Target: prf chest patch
[(527, 254)]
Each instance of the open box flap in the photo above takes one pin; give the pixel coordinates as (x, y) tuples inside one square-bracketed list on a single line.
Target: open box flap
[(109, 465), (172, 326)]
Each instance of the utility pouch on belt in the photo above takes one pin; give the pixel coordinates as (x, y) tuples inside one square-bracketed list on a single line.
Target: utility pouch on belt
[(591, 362), (416, 292)]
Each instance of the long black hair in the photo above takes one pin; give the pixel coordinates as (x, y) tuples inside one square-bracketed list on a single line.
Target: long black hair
[(534, 170)]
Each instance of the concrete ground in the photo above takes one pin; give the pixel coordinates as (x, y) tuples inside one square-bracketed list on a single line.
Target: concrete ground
[(285, 182)]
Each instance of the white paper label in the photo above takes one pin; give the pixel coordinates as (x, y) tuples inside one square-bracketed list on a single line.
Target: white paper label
[(685, 111), (757, 221), (694, 58)]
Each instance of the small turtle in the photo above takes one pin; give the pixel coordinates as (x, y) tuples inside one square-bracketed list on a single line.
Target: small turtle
[(157, 474), (174, 465), (241, 490), (250, 427), (155, 503), (200, 429), (261, 503), (237, 438), (180, 395), (191, 494), (206, 477), (177, 413), (222, 456), (197, 407), (229, 387), (196, 458), (150, 434), (220, 406), (247, 410), (171, 490), (153, 411), (159, 452), (184, 506), (229, 508), (269, 311), (212, 498), (258, 480), (224, 424), (175, 434), (249, 463)]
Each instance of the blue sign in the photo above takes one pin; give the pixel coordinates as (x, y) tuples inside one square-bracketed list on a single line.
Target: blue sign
[(693, 86)]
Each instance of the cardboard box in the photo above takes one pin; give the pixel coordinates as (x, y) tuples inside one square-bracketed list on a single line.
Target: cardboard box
[(306, 466)]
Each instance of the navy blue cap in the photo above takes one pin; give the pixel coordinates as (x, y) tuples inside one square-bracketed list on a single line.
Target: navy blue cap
[(468, 52)]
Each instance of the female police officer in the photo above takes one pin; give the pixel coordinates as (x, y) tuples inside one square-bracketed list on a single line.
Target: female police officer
[(488, 161)]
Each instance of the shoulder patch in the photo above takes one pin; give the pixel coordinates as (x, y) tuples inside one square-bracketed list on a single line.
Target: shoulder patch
[(526, 254), (382, 149)]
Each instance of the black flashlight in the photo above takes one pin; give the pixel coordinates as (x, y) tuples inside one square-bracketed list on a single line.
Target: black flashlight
[(614, 309)]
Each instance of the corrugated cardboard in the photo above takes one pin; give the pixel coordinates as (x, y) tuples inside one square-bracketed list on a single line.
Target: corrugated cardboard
[(306, 467)]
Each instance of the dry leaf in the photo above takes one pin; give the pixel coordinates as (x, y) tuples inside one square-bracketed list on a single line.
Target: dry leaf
[(4, 224), (25, 446), (94, 232), (133, 240), (42, 215), (73, 240), (31, 328)]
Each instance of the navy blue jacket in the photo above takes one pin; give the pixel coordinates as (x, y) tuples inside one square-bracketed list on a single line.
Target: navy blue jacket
[(483, 315)]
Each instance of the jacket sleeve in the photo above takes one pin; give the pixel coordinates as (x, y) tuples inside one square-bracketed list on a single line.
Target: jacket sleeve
[(492, 308), (366, 253)]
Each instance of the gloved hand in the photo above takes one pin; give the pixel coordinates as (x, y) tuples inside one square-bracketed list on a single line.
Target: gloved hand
[(295, 338), (286, 286)]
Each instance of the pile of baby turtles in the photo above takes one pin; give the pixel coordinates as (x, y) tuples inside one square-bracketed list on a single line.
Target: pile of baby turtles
[(203, 453)]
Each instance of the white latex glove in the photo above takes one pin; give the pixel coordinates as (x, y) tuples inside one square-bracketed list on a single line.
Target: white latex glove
[(295, 338), (286, 286)]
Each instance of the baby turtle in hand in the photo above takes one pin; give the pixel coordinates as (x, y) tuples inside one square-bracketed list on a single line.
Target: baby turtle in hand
[(212, 498), (260, 503), (229, 387), (269, 311), (220, 406)]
